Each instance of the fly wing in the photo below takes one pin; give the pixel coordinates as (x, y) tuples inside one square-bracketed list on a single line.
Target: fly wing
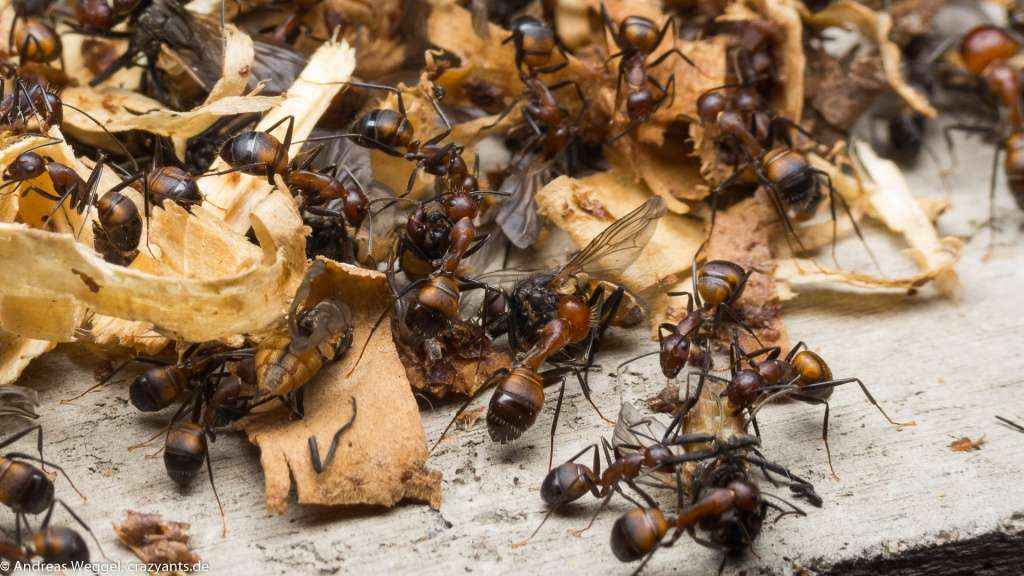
[(276, 66), (618, 245), (634, 429), (196, 41), (518, 214)]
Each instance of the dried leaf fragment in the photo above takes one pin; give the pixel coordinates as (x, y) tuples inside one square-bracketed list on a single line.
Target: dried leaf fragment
[(381, 458), (155, 540), (965, 444)]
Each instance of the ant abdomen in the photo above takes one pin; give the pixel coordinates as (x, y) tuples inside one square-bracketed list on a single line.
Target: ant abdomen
[(534, 41), (566, 483), (120, 219), (719, 282), (94, 14), (253, 152), (515, 404), (60, 545), (26, 166), (37, 41), (441, 294), (382, 126), (637, 532), (184, 452), (811, 369), (640, 33), (797, 184), (157, 388), (174, 184), (25, 488)]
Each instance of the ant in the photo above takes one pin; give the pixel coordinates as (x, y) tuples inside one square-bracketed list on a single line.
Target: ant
[(28, 490), (118, 220), (986, 52), (259, 153), (535, 43), (37, 41), (160, 386), (561, 313), (725, 503), (749, 135), (802, 375), (636, 38)]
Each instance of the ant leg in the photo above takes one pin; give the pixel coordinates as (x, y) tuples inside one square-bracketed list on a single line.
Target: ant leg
[(37, 428), (1010, 424), (77, 519), (314, 452), (610, 26), (824, 427), (618, 370), (444, 119), (834, 383), (833, 197), (793, 351), (554, 423), (947, 134), (677, 52), (216, 496)]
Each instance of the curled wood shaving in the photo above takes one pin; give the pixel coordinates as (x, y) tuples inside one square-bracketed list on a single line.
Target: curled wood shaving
[(381, 458), (231, 197), (569, 204), (120, 110), (195, 309), (875, 26), (16, 352)]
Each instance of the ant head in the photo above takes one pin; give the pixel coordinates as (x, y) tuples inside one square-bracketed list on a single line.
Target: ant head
[(26, 166), (675, 350), (984, 45), (744, 388), (154, 389), (748, 496), (97, 14)]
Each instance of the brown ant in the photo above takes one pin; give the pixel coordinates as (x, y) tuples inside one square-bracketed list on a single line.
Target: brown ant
[(986, 52), (29, 490), (636, 38), (802, 375), (725, 504), (749, 135), (160, 386), (59, 546), (535, 43), (37, 41), (259, 153), (118, 221)]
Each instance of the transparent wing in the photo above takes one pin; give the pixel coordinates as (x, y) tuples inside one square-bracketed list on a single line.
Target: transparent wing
[(632, 429), (615, 248), (518, 214)]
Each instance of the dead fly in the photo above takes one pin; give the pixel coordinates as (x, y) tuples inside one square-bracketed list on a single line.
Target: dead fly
[(317, 335), (559, 317), (197, 42)]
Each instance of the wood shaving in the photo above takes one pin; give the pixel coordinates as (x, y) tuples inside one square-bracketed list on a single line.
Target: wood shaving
[(155, 540)]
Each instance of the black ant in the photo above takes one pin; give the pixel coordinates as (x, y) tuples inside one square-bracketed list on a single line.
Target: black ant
[(636, 38)]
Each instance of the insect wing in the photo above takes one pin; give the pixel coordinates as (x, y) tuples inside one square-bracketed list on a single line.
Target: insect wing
[(618, 245)]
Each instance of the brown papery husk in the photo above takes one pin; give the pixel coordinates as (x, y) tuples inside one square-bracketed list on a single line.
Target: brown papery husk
[(381, 458), (465, 375), (155, 540)]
